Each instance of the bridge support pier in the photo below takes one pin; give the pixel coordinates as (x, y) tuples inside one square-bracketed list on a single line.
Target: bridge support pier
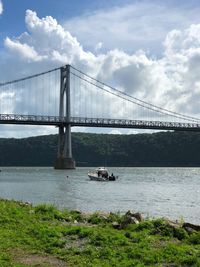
[(64, 157), (64, 163)]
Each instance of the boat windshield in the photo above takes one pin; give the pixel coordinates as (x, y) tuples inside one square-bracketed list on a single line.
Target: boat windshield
[(101, 169)]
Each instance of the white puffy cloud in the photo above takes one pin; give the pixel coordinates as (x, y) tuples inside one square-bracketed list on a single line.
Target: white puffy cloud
[(24, 50), (171, 81), (139, 25), (1, 7)]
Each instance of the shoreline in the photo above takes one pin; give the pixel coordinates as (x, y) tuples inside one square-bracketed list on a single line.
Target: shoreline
[(45, 236)]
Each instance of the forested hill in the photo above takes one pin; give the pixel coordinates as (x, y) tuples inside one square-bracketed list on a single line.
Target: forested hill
[(158, 149)]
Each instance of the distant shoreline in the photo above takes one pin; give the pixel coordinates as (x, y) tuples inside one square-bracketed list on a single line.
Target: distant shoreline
[(161, 149)]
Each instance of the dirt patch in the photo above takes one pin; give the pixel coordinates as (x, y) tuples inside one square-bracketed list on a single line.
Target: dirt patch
[(76, 242), (39, 260)]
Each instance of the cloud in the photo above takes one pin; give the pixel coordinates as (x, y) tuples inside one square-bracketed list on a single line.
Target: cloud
[(24, 50), (171, 81), (98, 46), (140, 25), (1, 7)]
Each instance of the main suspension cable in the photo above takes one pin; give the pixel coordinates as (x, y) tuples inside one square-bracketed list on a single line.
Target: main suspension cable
[(158, 109)]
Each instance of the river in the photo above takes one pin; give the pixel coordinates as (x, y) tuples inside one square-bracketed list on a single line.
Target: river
[(155, 192)]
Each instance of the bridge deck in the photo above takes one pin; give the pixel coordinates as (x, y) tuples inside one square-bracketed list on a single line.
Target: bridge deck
[(96, 122)]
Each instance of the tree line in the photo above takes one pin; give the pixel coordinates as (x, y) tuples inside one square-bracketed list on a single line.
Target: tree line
[(170, 149)]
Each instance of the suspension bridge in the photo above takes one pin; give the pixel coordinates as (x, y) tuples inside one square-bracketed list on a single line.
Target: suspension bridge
[(66, 97)]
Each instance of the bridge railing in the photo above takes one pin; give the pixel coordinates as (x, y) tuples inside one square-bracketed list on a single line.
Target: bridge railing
[(140, 124), (96, 122), (31, 119)]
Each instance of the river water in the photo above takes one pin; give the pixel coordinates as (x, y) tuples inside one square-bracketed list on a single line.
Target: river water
[(155, 192)]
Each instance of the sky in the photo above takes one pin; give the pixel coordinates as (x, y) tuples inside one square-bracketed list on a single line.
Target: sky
[(149, 49)]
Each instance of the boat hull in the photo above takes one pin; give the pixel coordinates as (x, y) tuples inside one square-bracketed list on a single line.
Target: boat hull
[(95, 177)]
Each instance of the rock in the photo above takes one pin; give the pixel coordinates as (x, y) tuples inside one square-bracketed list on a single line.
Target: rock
[(26, 203), (173, 224), (192, 226), (134, 220), (189, 230), (128, 219), (129, 213), (137, 215), (116, 225)]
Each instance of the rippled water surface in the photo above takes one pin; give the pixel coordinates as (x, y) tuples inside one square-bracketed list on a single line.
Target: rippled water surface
[(169, 192)]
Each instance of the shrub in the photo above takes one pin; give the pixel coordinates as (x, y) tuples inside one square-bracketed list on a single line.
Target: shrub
[(162, 228), (48, 212), (76, 215), (145, 225), (180, 233), (195, 239), (114, 217), (96, 218)]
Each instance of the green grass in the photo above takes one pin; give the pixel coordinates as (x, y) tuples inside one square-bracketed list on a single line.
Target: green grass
[(46, 236)]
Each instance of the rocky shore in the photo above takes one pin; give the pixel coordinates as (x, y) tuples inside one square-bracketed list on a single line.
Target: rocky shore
[(45, 236)]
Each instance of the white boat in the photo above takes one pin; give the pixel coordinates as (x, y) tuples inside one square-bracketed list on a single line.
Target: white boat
[(101, 174)]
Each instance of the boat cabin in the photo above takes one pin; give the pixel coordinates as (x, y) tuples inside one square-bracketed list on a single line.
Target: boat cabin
[(102, 172)]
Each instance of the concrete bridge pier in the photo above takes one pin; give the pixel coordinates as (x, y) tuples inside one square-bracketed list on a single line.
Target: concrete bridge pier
[(64, 158)]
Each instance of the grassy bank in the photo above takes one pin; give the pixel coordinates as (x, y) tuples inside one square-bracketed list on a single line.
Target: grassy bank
[(45, 236)]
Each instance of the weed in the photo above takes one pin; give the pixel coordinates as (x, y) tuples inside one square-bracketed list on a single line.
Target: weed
[(46, 231)]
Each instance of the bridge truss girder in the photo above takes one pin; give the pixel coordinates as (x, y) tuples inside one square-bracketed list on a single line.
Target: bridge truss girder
[(62, 123)]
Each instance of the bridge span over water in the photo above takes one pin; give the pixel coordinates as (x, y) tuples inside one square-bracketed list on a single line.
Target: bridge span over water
[(66, 97)]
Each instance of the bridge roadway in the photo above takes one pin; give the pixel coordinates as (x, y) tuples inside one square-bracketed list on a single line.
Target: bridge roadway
[(97, 122)]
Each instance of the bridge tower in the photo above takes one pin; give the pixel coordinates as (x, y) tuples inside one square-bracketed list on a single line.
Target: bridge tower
[(64, 157)]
